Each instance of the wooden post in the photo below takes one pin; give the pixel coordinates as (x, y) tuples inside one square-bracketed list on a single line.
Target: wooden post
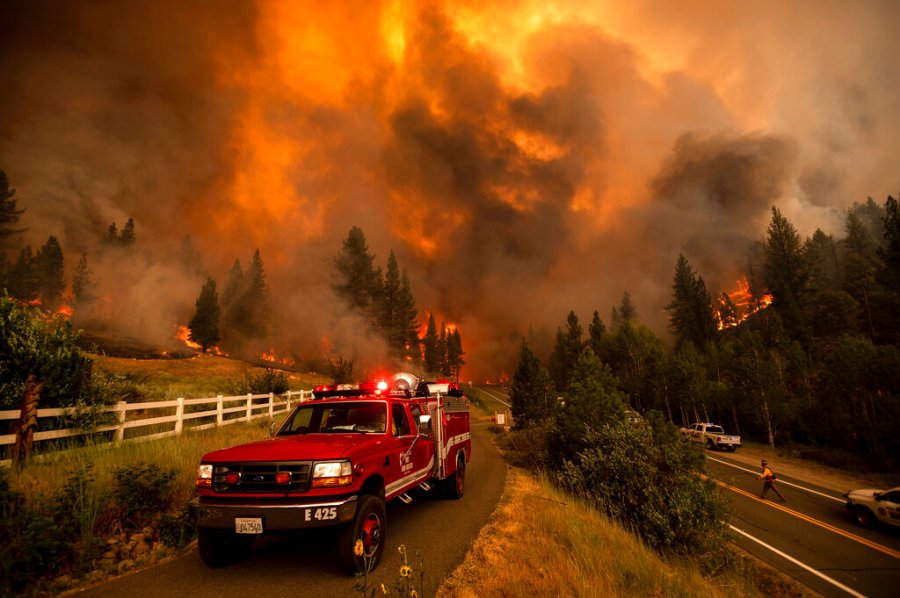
[(249, 405), (121, 411), (271, 405), (219, 415), (179, 416), (24, 429)]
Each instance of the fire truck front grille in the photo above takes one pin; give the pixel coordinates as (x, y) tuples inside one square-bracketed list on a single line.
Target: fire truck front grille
[(247, 478)]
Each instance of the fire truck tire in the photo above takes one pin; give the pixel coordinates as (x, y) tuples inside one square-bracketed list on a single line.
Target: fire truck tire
[(368, 526), (220, 547), (455, 485), (710, 445)]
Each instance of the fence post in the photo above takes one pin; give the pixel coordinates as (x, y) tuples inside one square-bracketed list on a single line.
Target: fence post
[(219, 415), (121, 410), (271, 405), (179, 416), (249, 405)]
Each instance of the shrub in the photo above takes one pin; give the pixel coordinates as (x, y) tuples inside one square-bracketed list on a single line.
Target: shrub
[(266, 381), (649, 482), (32, 342), (529, 448), (29, 542), (142, 490)]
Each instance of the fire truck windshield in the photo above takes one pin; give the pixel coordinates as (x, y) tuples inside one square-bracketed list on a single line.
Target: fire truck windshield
[(340, 418)]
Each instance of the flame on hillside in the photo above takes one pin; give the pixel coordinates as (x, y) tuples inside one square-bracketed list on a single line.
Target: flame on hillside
[(736, 306), (184, 335), (271, 358)]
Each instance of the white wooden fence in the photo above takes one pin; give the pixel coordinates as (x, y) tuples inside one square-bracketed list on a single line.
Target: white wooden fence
[(225, 410)]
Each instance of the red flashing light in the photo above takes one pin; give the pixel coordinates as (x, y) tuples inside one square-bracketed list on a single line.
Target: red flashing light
[(232, 478), (283, 477)]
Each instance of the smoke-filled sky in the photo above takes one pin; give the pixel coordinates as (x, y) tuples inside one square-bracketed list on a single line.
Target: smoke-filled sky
[(521, 158)]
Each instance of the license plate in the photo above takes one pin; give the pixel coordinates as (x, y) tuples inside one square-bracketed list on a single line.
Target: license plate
[(248, 525)]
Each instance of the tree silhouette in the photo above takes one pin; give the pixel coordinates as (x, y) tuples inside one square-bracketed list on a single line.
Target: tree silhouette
[(82, 284), (9, 214), (430, 347), (531, 393), (690, 311), (48, 272), (355, 279), (566, 352), (204, 325)]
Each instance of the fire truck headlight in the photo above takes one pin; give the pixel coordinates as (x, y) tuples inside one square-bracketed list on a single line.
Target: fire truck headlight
[(204, 475), (332, 473)]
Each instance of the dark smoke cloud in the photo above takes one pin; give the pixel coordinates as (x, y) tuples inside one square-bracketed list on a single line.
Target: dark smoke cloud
[(520, 162)]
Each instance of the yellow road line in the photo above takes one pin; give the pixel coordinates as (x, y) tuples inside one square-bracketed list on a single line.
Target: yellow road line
[(874, 545)]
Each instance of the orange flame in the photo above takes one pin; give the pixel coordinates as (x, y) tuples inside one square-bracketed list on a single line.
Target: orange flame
[(65, 311), (271, 358), (183, 334), (744, 304)]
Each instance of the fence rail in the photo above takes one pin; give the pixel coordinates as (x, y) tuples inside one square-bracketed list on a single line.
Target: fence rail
[(180, 414)]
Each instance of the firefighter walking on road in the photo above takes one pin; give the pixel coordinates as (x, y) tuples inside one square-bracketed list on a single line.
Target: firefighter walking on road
[(769, 477)]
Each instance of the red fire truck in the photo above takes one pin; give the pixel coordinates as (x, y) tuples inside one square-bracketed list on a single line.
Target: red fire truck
[(335, 461)]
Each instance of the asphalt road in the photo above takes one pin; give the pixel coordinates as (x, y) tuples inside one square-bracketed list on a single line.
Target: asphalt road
[(811, 536), (441, 530)]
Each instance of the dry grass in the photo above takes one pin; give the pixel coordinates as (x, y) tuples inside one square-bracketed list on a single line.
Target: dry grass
[(540, 542), (203, 375)]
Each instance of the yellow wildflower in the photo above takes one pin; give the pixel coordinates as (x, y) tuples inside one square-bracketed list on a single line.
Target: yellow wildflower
[(413, 594), (405, 570), (384, 590), (358, 548)]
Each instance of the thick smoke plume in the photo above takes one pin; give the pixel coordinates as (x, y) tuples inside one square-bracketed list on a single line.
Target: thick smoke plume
[(523, 159)]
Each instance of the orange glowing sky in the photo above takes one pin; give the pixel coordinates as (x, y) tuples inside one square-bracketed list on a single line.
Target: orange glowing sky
[(522, 158)]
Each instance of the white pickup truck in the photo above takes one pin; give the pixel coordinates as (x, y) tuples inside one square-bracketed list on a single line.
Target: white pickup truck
[(711, 435)]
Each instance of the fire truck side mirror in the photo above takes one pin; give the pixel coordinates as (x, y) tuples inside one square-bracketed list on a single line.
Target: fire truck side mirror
[(425, 426)]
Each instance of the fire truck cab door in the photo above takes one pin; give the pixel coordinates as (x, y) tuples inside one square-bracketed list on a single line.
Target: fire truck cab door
[(412, 453)]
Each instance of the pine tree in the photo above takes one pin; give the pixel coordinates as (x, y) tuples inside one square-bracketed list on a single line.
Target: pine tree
[(531, 394), (408, 320), (48, 272), (861, 265), (82, 284), (787, 274), (245, 301), (204, 325), (889, 274), (565, 352), (127, 238), (111, 236), (256, 297), (9, 214), (444, 368), (22, 282), (598, 337), (690, 311), (593, 398), (430, 347), (624, 313), (355, 279), (390, 324), (455, 353), (234, 285)]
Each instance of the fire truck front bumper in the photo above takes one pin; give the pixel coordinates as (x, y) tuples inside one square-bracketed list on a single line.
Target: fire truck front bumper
[(247, 516)]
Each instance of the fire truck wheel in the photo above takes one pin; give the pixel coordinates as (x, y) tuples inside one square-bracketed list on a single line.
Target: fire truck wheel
[(455, 485), (368, 526), (220, 547)]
